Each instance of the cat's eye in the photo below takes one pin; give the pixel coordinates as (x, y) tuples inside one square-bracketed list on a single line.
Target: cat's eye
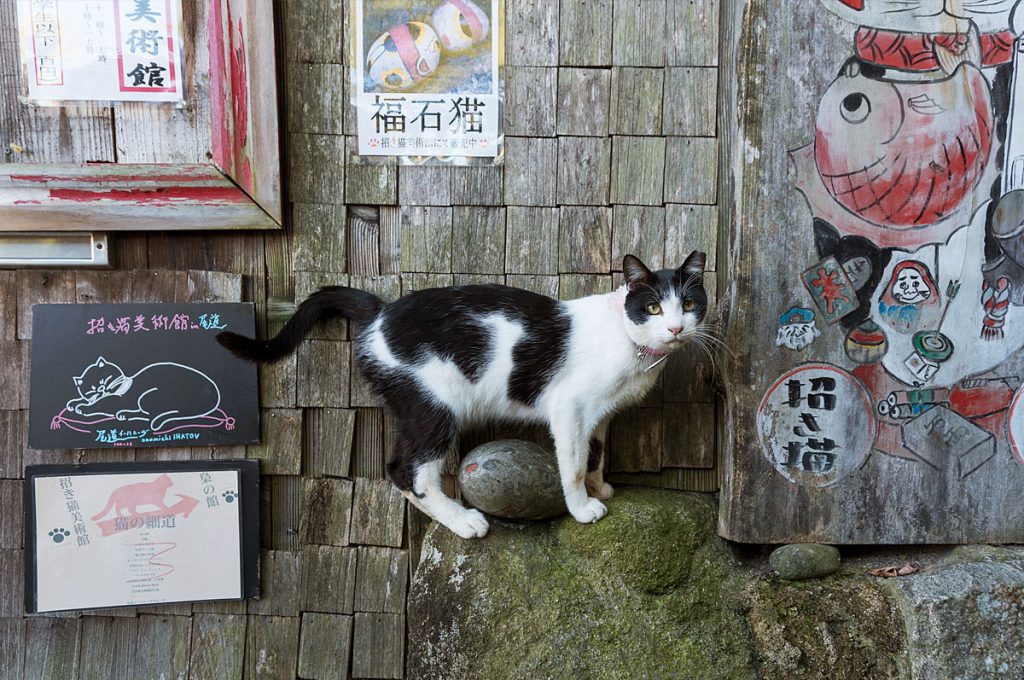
[(654, 308), (689, 306)]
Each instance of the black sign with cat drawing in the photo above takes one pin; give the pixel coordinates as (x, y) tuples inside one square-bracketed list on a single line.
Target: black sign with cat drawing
[(131, 375)]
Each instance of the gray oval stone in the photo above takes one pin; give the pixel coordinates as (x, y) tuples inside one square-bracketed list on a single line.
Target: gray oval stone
[(513, 479), (804, 560)]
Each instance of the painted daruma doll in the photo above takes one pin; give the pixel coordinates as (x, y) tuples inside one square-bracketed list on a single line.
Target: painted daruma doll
[(404, 55), (460, 25)]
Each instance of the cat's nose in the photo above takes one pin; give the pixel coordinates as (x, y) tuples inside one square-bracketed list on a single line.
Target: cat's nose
[(675, 331)]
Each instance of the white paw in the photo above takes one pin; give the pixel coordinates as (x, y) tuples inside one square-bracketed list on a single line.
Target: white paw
[(602, 492), (469, 523), (590, 511)]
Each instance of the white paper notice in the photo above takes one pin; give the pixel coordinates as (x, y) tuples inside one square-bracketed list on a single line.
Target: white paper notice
[(108, 540), (106, 50)]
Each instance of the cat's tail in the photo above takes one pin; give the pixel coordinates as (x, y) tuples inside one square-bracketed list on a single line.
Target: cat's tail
[(327, 303)]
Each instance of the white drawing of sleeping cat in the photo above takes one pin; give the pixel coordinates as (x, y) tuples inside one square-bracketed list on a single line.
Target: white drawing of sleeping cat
[(159, 394)]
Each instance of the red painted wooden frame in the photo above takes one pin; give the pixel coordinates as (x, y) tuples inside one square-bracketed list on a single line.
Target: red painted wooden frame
[(240, 190)]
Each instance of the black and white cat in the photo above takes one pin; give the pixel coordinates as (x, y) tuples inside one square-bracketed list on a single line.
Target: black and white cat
[(444, 358)]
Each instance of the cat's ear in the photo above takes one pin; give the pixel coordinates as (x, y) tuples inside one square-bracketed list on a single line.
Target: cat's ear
[(694, 264), (78, 382), (101, 362), (635, 271)]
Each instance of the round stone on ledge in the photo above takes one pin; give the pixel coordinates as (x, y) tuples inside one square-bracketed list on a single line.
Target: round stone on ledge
[(804, 560), (512, 478)]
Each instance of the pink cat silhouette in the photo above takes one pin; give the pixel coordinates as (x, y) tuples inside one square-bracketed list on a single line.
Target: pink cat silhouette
[(131, 496)]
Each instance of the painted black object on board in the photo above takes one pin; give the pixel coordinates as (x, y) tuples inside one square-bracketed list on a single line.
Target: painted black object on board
[(131, 375)]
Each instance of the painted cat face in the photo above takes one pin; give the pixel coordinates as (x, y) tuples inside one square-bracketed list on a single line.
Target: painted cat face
[(98, 379), (664, 308), (925, 16)]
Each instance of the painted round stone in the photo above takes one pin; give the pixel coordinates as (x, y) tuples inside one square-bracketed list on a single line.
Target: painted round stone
[(513, 479)]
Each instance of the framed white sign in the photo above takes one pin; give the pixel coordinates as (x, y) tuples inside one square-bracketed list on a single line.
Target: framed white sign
[(124, 534)]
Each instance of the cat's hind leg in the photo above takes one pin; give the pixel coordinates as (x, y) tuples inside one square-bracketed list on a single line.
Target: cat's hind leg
[(596, 486), (416, 468)]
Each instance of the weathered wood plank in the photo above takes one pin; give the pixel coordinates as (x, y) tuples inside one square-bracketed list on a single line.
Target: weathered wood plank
[(319, 237), (692, 33), (272, 647), (378, 645), (531, 33), (11, 514), (426, 239), (26, 373), (640, 231), (476, 185), (544, 285), (572, 286), (109, 287), (328, 579), (11, 370), (368, 450), (637, 100), (387, 288), (326, 510), (638, 32), (280, 581), (320, 632), (364, 241), (390, 239), (156, 286), (12, 647), (8, 306), (530, 93), (584, 239), (585, 38), (313, 31), (280, 447), (278, 383), (381, 578), (584, 170), (477, 279), (317, 165), (40, 286), (689, 228), (584, 96), (218, 647), (370, 183), (13, 433), (322, 371), (285, 509), (478, 240), (316, 98), (378, 513), (52, 647), (691, 170), (530, 170), (414, 281), (108, 648), (635, 441), (330, 433), (211, 286), (531, 240), (424, 185), (12, 573), (162, 647), (689, 436), (638, 170), (690, 102)]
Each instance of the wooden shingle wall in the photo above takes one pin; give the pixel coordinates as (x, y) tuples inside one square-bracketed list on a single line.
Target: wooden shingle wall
[(610, 149)]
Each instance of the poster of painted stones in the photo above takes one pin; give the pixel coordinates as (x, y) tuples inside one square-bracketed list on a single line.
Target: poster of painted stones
[(122, 534), (879, 222), (426, 79), (107, 50), (140, 375)]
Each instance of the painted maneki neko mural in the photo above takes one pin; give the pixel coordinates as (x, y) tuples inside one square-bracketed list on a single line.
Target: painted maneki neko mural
[(913, 177)]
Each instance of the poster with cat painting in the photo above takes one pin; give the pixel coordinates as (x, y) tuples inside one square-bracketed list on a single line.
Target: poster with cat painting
[(131, 375), (125, 534)]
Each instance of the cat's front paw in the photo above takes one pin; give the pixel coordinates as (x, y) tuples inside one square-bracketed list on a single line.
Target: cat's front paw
[(121, 415), (601, 491), (469, 523), (590, 511)]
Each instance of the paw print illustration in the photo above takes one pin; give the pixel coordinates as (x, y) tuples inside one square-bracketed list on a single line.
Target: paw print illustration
[(58, 535), (374, 143), (230, 496)]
